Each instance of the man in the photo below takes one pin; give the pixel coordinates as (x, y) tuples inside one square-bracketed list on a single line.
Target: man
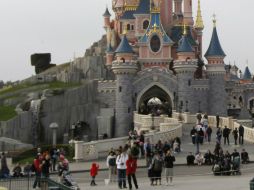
[(190, 159), (147, 150), (131, 166), (192, 134), (241, 134), (244, 157), (218, 135), (169, 164), (121, 168), (235, 134), (209, 134), (226, 132), (111, 163)]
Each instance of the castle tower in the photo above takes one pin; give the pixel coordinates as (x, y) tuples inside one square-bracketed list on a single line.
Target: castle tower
[(199, 27), (216, 72), (166, 14), (106, 16), (178, 7), (188, 19), (124, 69), (185, 66), (109, 56)]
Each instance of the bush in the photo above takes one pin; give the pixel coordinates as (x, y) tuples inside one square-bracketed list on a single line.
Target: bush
[(29, 155)]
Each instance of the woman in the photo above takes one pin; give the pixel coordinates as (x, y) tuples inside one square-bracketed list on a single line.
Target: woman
[(235, 134), (131, 166)]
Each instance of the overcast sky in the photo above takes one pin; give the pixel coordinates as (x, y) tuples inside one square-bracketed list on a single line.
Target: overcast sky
[(65, 27)]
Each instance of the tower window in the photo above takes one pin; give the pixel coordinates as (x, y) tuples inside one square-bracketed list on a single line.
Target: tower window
[(120, 89), (189, 82), (155, 43), (132, 27), (145, 24), (129, 110), (128, 27)]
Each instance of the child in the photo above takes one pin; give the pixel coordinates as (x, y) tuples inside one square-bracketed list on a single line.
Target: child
[(93, 173)]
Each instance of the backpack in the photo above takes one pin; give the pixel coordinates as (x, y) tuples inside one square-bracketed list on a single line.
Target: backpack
[(112, 162), (157, 166)]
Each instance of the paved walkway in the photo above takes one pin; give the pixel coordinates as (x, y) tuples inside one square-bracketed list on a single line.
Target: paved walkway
[(186, 147)]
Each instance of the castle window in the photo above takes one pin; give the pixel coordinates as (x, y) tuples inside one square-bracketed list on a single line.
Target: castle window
[(132, 27), (189, 82), (123, 60), (129, 110), (145, 24), (120, 89), (155, 43), (128, 27)]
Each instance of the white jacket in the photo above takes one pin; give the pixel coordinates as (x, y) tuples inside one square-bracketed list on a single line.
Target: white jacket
[(121, 161)]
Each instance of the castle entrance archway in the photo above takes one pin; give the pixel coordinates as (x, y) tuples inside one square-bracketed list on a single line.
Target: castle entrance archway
[(154, 100)]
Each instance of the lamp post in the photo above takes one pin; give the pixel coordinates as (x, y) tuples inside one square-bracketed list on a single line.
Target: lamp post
[(73, 126), (199, 111), (186, 108), (54, 127)]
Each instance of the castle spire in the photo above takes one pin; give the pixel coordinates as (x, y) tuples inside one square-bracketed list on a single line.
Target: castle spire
[(199, 20), (215, 49)]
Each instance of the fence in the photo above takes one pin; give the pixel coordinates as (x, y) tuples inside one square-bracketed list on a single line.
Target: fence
[(26, 183)]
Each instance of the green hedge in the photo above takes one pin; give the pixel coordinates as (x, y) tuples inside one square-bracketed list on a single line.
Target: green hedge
[(29, 155), (7, 112)]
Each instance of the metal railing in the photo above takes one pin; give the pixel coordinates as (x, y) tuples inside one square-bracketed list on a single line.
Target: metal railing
[(26, 183)]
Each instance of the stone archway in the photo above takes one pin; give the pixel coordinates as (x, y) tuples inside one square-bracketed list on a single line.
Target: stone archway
[(155, 91)]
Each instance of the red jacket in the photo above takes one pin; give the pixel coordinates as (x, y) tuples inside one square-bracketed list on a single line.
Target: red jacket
[(131, 166), (37, 165), (94, 170)]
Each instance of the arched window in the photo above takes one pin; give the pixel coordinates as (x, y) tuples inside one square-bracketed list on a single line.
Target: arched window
[(123, 60), (128, 27), (145, 24)]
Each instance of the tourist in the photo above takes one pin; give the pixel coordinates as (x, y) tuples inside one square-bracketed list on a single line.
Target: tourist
[(208, 158), (93, 173), (54, 157), (159, 147), (199, 159), (121, 168), (169, 164), (17, 171), (176, 147), (141, 143), (192, 134), (209, 134), (157, 164), (5, 172), (199, 117), (45, 166), (241, 134), (197, 141), (131, 166), (235, 154), (190, 159), (150, 169), (166, 147), (244, 157), (111, 164), (27, 170), (226, 132), (147, 150), (201, 135), (37, 167), (235, 134), (205, 124), (218, 136), (134, 150)]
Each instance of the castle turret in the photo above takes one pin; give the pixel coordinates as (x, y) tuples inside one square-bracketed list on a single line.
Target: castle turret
[(178, 7), (216, 73), (188, 19), (109, 56), (106, 16), (185, 66), (124, 68), (199, 27), (166, 14)]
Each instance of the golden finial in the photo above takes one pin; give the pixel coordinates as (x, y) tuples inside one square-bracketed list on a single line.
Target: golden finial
[(199, 20), (214, 20), (184, 30)]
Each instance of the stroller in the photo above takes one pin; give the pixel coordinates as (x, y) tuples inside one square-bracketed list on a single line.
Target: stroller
[(68, 181), (236, 165)]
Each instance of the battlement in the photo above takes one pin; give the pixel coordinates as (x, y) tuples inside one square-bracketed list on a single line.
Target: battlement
[(200, 84), (106, 86)]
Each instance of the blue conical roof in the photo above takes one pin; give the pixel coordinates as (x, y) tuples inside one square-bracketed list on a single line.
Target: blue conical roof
[(184, 45), (215, 47), (124, 46), (247, 74), (107, 14)]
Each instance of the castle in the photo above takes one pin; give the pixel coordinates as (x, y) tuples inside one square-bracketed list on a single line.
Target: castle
[(149, 62)]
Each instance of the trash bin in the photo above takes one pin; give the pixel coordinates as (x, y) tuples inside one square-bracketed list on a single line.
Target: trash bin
[(252, 184)]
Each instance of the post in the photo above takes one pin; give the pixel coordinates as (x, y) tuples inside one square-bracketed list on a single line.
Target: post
[(54, 127)]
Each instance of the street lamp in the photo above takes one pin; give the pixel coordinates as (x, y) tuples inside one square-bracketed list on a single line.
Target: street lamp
[(199, 111), (186, 110), (73, 126)]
